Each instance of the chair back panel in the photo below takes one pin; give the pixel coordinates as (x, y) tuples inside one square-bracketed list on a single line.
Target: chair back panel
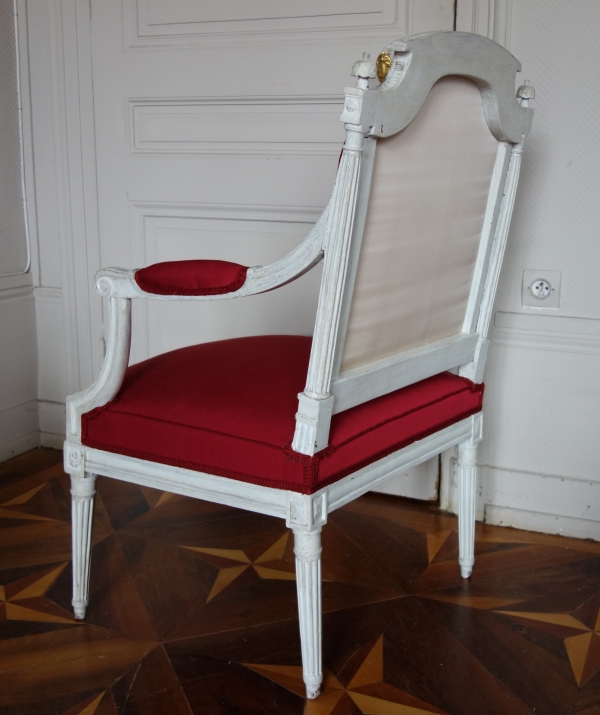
[(425, 215)]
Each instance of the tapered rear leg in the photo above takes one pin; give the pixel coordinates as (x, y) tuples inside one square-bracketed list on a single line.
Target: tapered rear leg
[(467, 484)]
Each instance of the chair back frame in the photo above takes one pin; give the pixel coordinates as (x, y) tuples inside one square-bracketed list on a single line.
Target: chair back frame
[(417, 63)]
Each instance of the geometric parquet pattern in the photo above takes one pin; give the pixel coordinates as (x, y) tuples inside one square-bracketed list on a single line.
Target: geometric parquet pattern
[(193, 610)]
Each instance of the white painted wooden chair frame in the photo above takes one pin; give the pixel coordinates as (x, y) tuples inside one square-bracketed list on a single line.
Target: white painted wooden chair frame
[(336, 237)]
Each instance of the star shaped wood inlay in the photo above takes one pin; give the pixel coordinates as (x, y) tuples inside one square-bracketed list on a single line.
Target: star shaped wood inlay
[(23, 599), (224, 560), (357, 687), (580, 631)]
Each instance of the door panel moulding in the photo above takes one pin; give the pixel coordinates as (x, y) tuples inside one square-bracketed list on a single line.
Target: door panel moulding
[(147, 23), (15, 258), (491, 18), (206, 125)]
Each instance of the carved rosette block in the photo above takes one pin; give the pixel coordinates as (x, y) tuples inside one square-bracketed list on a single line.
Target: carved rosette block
[(307, 547), (467, 484), (74, 459), (83, 489)]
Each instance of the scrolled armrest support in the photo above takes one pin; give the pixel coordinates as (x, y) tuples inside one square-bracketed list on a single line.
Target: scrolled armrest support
[(106, 387), (117, 283)]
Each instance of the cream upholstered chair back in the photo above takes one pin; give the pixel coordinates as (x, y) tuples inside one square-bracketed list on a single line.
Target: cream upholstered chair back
[(424, 220), (416, 225)]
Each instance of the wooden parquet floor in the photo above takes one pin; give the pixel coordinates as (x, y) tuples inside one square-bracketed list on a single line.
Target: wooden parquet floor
[(193, 610)]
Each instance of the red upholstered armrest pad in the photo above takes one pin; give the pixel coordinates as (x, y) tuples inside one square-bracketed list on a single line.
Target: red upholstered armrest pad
[(191, 278)]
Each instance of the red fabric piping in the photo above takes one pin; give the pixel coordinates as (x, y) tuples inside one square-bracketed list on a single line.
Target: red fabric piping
[(289, 453), (311, 464), (335, 447), (315, 485), (149, 287), (208, 469), (310, 485)]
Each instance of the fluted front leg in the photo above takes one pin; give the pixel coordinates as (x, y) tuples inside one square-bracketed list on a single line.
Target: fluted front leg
[(83, 489), (307, 547), (467, 484)]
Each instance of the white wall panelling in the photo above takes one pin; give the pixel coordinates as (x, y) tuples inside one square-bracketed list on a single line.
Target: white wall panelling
[(492, 18), (540, 451), (149, 23), (52, 375), (75, 178), (18, 354), (542, 400), (151, 18), (261, 125), (18, 367), (14, 241)]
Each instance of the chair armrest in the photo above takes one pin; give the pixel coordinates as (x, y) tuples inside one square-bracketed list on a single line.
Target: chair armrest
[(191, 278), (213, 280)]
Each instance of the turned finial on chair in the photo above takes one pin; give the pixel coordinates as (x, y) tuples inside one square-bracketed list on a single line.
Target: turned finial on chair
[(363, 69), (525, 93)]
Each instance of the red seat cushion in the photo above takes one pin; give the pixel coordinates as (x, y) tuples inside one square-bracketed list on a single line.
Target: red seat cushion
[(191, 277), (228, 408)]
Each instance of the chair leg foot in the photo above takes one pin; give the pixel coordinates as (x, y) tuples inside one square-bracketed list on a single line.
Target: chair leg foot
[(307, 547), (83, 489), (467, 484), (313, 692), (79, 609), (466, 571)]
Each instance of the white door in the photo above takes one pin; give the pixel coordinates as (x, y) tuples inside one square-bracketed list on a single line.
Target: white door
[(218, 136)]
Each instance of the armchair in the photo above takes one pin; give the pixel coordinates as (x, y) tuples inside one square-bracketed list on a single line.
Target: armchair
[(412, 241)]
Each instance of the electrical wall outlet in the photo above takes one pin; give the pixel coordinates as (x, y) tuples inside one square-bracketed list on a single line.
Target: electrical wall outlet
[(541, 289)]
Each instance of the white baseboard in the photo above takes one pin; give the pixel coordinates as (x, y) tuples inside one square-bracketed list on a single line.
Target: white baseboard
[(544, 523), (8, 450), (568, 496), (55, 441), (535, 331), (18, 429), (52, 418), (550, 504), (30, 425)]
